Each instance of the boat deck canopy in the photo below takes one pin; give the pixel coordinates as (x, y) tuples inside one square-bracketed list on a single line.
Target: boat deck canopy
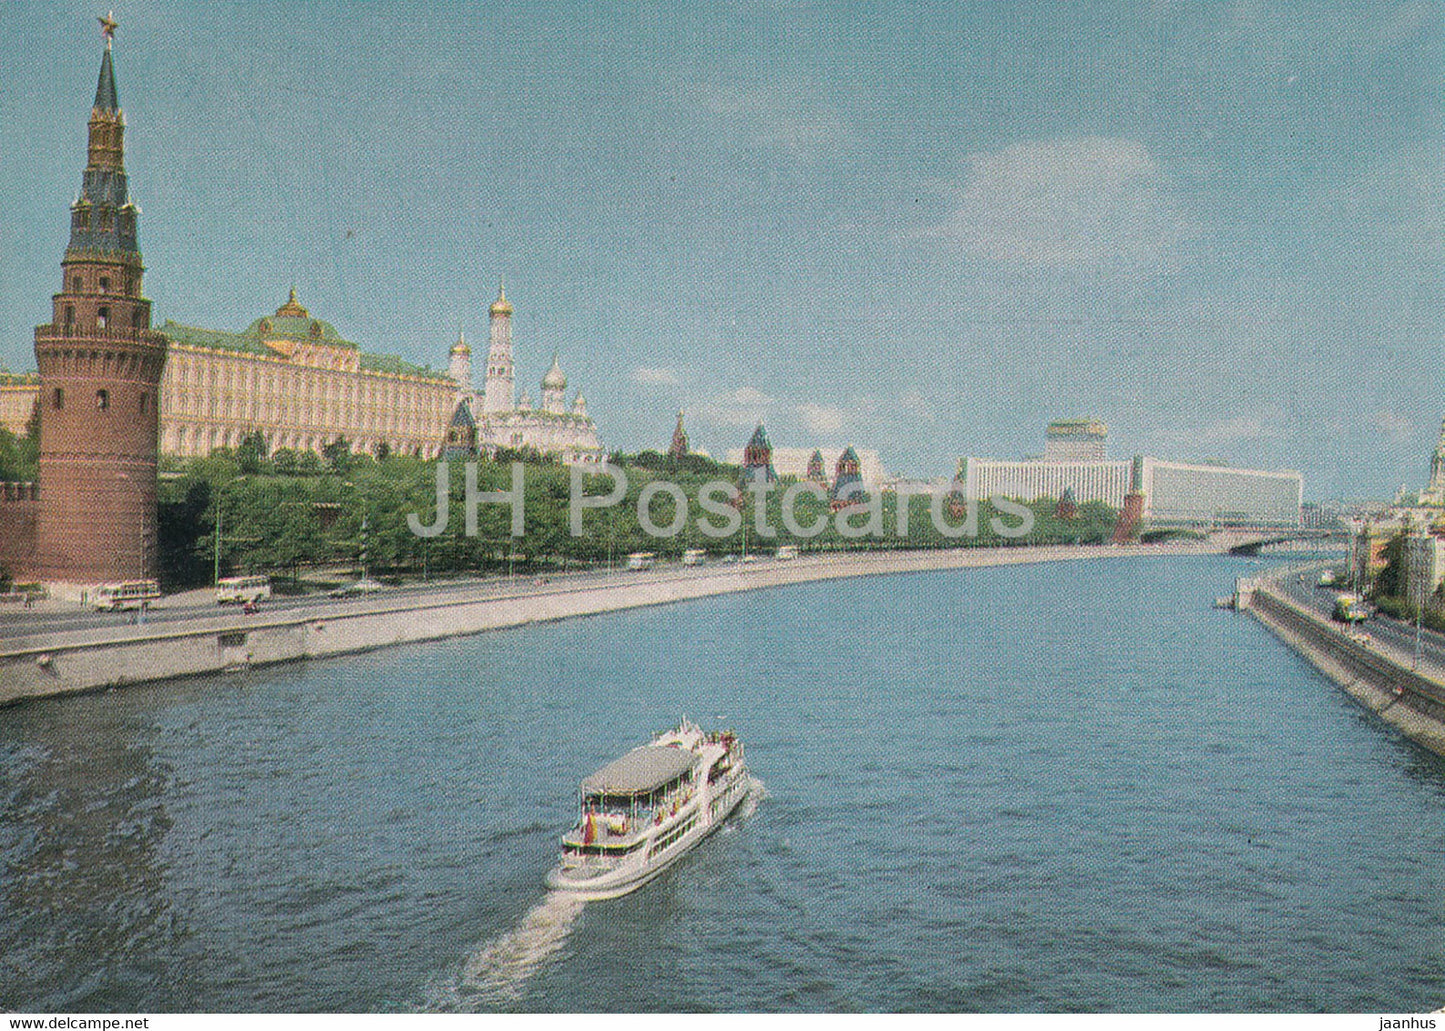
[(640, 770)]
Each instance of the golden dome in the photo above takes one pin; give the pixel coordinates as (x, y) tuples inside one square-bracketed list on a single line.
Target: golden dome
[(501, 306), (293, 307), (461, 346)]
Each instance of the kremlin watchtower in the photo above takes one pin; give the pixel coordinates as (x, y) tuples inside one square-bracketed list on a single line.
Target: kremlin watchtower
[(758, 460), (679, 447), (847, 482), (100, 371)]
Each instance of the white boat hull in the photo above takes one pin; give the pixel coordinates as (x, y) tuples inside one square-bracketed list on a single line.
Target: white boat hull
[(593, 882)]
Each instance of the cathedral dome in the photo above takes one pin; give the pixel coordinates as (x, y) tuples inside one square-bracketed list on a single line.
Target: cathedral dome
[(293, 322), (501, 306), (292, 308), (461, 346)]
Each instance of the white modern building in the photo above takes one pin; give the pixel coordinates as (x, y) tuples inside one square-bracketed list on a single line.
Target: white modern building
[(985, 478), (1174, 493), (1177, 492)]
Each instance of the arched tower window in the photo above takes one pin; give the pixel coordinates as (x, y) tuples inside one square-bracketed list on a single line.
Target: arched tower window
[(102, 399), (105, 284), (58, 398), (144, 400), (77, 285), (69, 318), (102, 316)]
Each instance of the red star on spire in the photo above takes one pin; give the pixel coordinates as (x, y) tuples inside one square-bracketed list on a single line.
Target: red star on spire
[(108, 26)]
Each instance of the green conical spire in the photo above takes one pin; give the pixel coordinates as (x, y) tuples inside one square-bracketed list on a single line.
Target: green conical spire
[(105, 96)]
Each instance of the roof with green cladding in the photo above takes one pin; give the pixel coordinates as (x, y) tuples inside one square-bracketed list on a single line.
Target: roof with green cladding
[(299, 328), (105, 96), (399, 367), (283, 327)]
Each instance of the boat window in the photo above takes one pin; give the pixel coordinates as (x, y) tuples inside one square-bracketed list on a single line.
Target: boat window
[(608, 803), (601, 850)]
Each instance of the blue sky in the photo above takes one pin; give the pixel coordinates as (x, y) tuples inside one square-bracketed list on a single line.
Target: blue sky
[(925, 228)]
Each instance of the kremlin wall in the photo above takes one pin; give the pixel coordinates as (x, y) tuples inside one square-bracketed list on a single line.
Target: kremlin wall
[(289, 375), (113, 392)]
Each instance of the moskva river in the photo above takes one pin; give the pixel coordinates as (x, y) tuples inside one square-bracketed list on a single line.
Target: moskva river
[(1055, 787)]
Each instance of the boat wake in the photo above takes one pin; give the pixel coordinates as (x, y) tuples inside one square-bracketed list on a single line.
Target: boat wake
[(757, 792), (495, 975)]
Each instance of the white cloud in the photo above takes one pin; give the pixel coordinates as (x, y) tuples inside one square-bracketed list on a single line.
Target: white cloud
[(749, 396), (821, 419), (1229, 431), (1398, 429), (656, 377), (1056, 203), (744, 407), (1244, 432)]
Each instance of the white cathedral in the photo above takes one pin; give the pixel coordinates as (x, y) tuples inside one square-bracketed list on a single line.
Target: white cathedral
[(491, 419)]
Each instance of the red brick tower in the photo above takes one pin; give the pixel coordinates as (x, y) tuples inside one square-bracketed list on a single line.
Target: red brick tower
[(678, 447), (100, 371)]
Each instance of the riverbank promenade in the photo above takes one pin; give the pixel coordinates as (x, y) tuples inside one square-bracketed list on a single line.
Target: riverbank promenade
[(59, 653), (1374, 663)]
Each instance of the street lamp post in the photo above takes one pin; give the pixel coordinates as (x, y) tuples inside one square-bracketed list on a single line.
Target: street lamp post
[(220, 499), (1419, 611)]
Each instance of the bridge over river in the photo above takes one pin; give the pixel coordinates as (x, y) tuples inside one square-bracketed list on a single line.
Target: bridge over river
[(1252, 540)]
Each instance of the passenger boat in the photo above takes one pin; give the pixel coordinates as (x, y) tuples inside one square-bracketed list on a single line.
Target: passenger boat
[(646, 810)]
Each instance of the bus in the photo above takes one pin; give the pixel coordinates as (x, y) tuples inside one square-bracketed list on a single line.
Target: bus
[(132, 594), (641, 560), (1350, 609), (237, 590), (787, 551), (694, 557)]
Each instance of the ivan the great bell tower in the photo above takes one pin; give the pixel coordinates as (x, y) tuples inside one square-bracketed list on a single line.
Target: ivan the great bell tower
[(100, 371)]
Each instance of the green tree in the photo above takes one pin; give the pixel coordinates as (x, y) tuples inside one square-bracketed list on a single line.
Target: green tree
[(1391, 581), (20, 454), (251, 453), (181, 533), (286, 462), (308, 463), (338, 455)]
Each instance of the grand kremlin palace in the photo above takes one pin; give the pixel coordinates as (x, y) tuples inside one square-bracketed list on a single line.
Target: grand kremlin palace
[(292, 377)]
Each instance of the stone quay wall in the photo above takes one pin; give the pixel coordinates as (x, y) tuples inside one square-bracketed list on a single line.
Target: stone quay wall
[(87, 660), (1410, 701)]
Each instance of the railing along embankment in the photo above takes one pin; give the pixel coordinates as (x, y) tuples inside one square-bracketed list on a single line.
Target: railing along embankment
[(85, 660), (1408, 700)]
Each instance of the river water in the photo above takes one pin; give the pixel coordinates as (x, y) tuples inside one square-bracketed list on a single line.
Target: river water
[(1056, 787)]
